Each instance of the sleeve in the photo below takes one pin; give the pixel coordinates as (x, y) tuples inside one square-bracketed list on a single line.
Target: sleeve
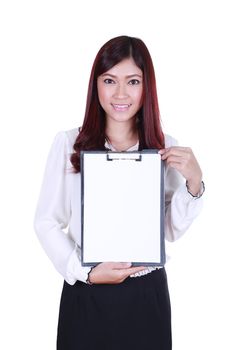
[(181, 208), (53, 214)]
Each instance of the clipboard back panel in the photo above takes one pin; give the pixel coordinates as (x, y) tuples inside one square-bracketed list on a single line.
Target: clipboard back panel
[(121, 208)]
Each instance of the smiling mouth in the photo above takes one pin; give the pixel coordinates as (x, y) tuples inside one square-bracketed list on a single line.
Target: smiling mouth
[(121, 107)]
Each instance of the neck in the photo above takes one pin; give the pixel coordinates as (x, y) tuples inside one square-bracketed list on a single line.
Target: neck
[(121, 133)]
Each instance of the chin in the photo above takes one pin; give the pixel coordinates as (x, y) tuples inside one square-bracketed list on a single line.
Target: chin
[(121, 116), (122, 119)]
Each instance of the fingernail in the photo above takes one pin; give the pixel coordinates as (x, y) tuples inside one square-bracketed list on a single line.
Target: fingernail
[(128, 264)]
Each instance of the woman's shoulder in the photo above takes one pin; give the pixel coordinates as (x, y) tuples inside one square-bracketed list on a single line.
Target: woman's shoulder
[(72, 135), (170, 141), (64, 141), (67, 137)]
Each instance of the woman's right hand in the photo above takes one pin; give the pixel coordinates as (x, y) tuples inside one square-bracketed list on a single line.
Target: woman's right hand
[(112, 272)]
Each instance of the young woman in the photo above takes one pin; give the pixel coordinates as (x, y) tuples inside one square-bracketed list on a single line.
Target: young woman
[(114, 306)]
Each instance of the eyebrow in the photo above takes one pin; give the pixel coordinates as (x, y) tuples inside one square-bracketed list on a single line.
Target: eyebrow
[(127, 76)]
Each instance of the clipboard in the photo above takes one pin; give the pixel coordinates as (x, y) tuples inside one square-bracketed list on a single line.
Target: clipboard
[(122, 207)]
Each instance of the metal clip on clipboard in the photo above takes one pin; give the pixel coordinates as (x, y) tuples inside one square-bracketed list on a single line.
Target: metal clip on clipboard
[(124, 156)]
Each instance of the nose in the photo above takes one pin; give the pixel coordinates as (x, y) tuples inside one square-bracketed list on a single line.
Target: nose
[(121, 91)]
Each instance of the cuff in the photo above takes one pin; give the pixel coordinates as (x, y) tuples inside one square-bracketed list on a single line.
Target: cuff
[(184, 205), (200, 193), (75, 271)]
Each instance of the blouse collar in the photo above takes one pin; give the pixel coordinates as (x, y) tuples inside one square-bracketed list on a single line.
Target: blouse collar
[(111, 147)]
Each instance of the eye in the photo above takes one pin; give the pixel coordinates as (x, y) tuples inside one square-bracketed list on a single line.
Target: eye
[(134, 82), (109, 81)]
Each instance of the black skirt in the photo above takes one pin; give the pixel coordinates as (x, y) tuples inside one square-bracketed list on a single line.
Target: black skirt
[(133, 315)]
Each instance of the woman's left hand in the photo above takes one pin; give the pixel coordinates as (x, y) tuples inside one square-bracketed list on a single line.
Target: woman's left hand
[(183, 160)]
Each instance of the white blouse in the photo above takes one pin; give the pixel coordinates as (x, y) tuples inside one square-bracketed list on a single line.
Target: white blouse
[(58, 213)]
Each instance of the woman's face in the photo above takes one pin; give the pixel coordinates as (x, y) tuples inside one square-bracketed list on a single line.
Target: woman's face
[(120, 91)]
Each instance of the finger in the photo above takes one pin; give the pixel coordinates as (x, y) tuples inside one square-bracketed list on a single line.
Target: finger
[(175, 165), (180, 156), (133, 270), (120, 265), (180, 148), (175, 150), (178, 166), (168, 154), (175, 159)]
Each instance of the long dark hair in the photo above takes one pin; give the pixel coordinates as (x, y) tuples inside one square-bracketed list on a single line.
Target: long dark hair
[(92, 133)]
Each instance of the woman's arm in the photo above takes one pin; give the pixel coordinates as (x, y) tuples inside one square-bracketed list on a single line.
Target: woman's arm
[(182, 207), (53, 213)]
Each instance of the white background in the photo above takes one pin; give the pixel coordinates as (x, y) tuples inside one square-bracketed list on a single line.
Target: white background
[(47, 49)]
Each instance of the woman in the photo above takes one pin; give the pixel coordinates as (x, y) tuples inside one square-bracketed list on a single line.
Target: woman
[(114, 305)]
